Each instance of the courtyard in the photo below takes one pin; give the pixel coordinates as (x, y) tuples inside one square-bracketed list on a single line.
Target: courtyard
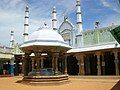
[(76, 83)]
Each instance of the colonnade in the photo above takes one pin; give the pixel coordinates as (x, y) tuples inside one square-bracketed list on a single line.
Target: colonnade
[(39, 58), (100, 62)]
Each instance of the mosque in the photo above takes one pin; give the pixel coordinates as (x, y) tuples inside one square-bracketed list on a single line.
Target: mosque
[(67, 49)]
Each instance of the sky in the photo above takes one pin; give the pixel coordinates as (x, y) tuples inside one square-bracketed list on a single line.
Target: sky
[(12, 15)]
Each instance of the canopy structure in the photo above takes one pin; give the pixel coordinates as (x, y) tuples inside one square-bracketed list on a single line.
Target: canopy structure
[(45, 56), (45, 37)]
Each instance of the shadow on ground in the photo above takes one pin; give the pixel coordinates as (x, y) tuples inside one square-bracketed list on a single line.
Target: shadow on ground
[(116, 86)]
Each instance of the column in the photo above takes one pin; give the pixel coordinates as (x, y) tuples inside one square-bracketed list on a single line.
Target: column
[(103, 64), (80, 58), (98, 63), (16, 66), (87, 64), (56, 55), (82, 65), (12, 67), (79, 73), (116, 62), (26, 64), (38, 64), (53, 63), (22, 64), (33, 67), (38, 57), (42, 64), (65, 64)]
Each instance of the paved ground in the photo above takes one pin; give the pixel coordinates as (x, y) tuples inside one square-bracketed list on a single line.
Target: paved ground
[(9, 83)]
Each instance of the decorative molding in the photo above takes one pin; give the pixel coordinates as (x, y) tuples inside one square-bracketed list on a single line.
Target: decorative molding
[(26, 24)]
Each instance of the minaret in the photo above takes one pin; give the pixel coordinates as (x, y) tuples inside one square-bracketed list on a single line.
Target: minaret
[(26, 24), (12, 39), (79, 35), (54, 19), (79, 17)]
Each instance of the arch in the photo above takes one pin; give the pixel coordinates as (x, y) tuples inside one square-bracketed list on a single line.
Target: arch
[(66, 30)]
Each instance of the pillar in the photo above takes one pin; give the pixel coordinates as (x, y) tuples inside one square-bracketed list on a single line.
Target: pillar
[(80, 58), (103, 64), (116, 62), (33, 66), (12, 67), (42, 64), (87, 64), (56, 55), (26, 64), (37, 58), (98, 63), (53, 63), (65, 64), (38, 64)]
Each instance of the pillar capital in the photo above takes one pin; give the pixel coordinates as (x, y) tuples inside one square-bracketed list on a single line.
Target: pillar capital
[(80, 56), (26, 54), (37, 54), (98, 53), (56, 54), (115, 50)]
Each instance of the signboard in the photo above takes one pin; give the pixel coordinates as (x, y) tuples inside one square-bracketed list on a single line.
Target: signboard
[(116, 33)]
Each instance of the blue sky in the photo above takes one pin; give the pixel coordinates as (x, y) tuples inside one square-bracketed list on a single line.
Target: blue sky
[(12, 15)]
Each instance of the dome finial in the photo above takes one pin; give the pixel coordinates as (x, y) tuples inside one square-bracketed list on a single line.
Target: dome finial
[(45, 24), (65, 18)]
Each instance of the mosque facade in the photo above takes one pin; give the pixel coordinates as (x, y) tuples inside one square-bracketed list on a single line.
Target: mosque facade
[(95, 52)]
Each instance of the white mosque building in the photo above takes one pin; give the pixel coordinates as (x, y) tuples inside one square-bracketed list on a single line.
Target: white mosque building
[(94, 52)]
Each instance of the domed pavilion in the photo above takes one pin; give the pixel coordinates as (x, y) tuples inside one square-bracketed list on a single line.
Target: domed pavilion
[(45, 56)]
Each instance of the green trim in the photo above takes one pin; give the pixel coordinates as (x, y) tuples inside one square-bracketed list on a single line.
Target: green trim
[(116, 33)]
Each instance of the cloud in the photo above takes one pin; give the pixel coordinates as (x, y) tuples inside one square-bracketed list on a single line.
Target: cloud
[(108, 21), (112, 4), (12, 15), (11, 4)]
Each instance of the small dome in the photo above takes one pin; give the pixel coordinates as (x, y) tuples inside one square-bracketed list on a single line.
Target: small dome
[(45, 34), (45, 37)]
